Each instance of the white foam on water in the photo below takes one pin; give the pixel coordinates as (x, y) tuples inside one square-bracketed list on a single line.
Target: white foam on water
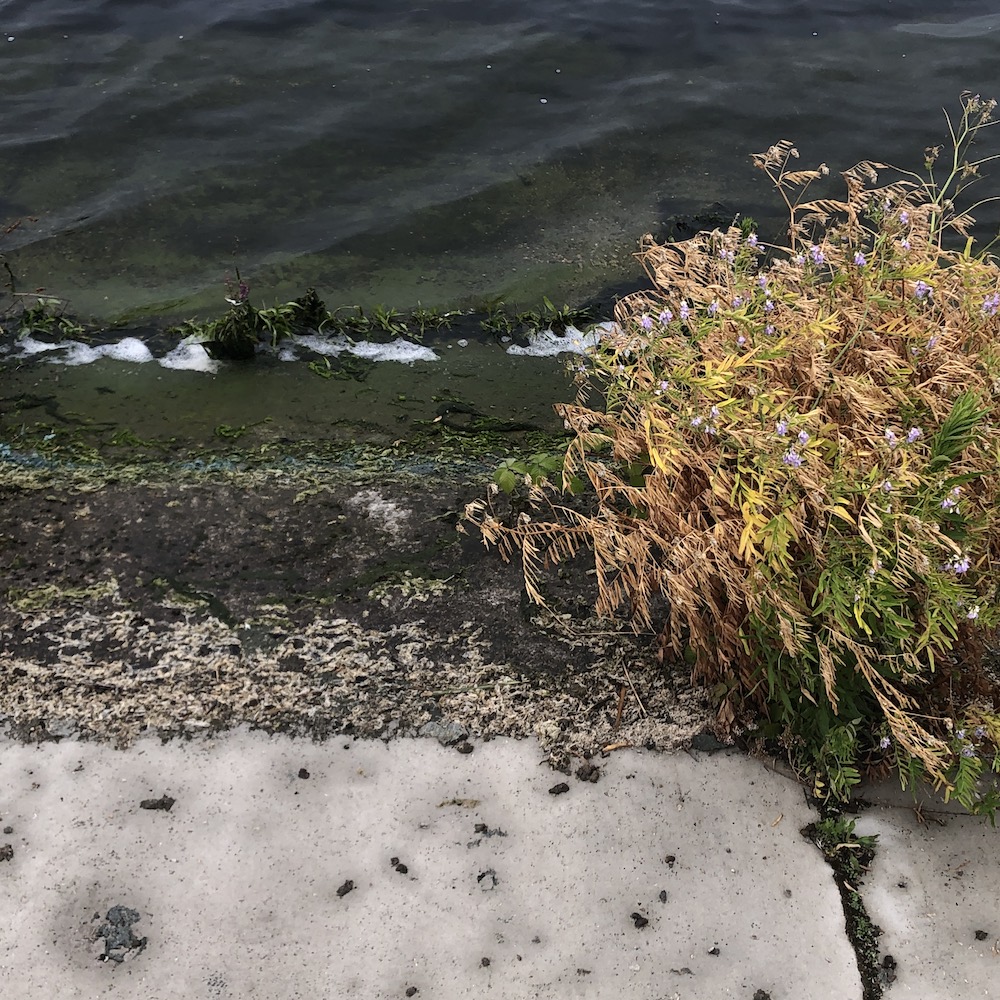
[(546, 344), (403, 351), (320, 345), (129, 349), (189, 356), (29, 346)]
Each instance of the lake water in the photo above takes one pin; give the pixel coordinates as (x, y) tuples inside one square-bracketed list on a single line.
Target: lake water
[(389, 152)]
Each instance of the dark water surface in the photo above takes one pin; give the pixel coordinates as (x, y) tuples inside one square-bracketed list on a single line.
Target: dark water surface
[(394, 152), (389, 151)]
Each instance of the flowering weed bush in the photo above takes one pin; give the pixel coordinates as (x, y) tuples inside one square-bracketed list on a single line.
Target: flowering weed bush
[(795, 467)]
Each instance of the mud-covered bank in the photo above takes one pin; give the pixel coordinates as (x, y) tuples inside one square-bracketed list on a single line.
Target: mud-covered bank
[(323, 603)]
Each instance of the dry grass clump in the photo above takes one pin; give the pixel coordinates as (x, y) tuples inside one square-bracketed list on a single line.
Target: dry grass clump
[(796, 467)]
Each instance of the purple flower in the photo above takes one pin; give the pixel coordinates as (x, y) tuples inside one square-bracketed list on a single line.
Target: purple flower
[(799, 259), (932, 343), (792, 458), (666, 316), (959, 565), (904, 217), (752, 240), (646, 322), (727, 255), (991, 304), (818, 257), (886, 486), (769, 329), (781, 428), (741, 340), (737, 302), (960, 735), (884, 743), (803, 438), (904, 243), (921, 290), (696, 421), (859, 259), (768, 305), (685, 311), (713, 307), (980, 732), (762, 281), (714, 413), (967, 751), (891, 438), (912, 434), (973, 613)]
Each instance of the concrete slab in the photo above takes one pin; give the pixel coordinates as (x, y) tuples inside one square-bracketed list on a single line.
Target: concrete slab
[(286, 869), (933, 889)]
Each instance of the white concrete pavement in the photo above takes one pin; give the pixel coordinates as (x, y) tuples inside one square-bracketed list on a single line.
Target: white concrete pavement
[(291, 869)]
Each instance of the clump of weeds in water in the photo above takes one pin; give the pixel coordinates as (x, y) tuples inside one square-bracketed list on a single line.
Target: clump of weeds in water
[(794, 461), (45, 316), (237, 335), (425, 319)]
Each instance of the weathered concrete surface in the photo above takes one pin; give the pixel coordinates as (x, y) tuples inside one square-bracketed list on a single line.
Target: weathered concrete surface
[(272, 875), (933, 889)]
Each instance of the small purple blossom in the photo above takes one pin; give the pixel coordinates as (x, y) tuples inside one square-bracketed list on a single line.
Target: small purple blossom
[(646, 322), (859, 259), (979, 732), (713, 307), (884, 743), (818, 257), (949, 504), (792, 458), (769, 329), (932, 343), (990, 304), (891, 438), (803, 438), (685, 310), (886, 486), (727, 255), (904, 243), (781, 428), (714, 413), (904, 217), (768, 305), (741, 341), (737, 301), (960, 735), (752, 240), (762, 281), (959, 565), (666, 316), (921, 290), (973, 613), (799, 259), (968, 751), (696, 421), (913, 434)]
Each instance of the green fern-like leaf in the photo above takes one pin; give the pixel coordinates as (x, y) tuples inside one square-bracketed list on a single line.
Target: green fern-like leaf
[(956, 432)]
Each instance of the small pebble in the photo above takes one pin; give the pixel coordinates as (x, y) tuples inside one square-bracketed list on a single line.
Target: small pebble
[(464, 748), (980, 935), (663, 895), (402, 869), (412, 991), (345, 888), (559, 789), (639, 920), (670, 860), (303, 773), (6, 852), (484, 962)]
